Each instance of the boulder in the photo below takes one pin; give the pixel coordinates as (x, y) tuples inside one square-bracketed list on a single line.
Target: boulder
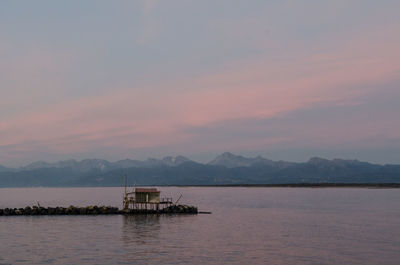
[(82, 210), (51, 211)]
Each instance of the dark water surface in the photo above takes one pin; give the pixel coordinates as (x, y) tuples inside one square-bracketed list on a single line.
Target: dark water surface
[(247, 226)]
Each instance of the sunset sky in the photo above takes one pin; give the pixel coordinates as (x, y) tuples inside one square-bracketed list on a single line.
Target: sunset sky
[(136, 79)]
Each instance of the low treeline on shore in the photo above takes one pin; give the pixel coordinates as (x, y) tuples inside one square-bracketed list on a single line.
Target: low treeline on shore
[(311, 185)]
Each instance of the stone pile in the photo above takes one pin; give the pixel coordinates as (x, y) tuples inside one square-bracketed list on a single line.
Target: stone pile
[(180, 209), (94, 210), (71, 210)]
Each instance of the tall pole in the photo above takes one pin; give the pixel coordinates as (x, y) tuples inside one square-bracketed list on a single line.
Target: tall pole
[(125, 185)]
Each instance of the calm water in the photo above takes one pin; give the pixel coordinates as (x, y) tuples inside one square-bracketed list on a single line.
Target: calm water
[(248, 226)]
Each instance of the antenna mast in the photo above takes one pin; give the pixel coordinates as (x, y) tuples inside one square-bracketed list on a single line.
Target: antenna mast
[(125, 185)]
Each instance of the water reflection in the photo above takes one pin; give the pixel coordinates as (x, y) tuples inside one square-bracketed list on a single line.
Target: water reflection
[(154, 237), (248, 225), (140, 229)]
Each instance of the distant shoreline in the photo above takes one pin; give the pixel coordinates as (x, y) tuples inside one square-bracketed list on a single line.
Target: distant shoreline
[(305, 185), (289, 185)]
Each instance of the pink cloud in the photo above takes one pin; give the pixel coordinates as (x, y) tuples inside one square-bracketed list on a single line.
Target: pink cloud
[(32, 76), (155, 115)]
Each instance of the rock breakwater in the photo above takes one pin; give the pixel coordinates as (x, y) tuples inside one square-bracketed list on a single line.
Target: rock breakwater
[(94, 210)]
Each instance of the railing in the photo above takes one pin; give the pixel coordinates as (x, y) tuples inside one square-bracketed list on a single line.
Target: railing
[(166, 200), (132, 200)]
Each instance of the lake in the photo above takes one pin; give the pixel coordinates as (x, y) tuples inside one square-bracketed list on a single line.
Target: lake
[(247, 226)]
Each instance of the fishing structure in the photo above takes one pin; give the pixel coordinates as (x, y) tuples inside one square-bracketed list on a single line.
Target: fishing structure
[(144, 199)]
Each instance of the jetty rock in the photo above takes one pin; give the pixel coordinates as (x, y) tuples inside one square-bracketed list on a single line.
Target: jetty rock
[(71, 210), (94, 210)]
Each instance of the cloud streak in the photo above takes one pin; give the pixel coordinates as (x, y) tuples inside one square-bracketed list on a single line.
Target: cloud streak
[(243, 103), (139, 118)]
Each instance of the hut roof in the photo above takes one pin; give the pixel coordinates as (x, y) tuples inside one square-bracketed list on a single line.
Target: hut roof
[(146, 190)]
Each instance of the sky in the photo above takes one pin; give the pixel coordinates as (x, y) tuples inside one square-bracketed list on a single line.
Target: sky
[(287, 80)]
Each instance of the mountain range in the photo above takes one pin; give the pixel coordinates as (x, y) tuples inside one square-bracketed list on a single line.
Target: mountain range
[(225, 169)]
